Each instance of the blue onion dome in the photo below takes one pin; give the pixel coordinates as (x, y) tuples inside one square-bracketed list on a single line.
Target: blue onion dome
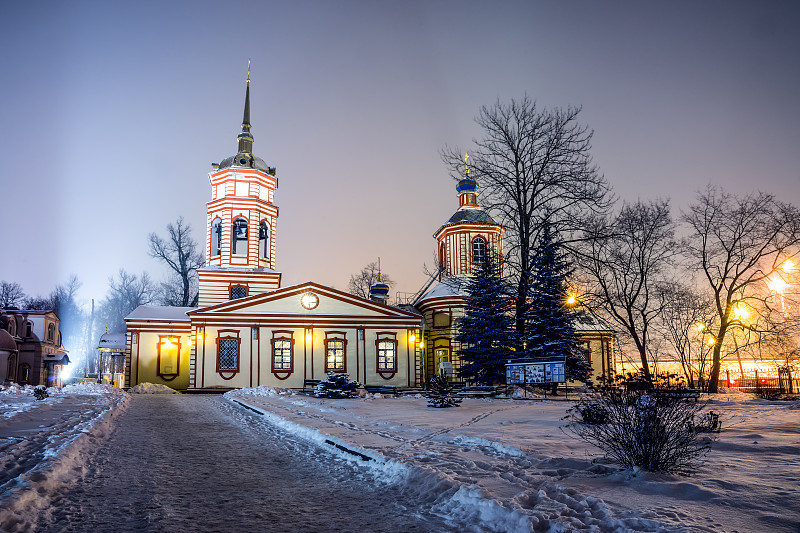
[(467, 184), (379, 289)]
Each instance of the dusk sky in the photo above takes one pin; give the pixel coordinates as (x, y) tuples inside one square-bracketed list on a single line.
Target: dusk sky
[(113, 112)]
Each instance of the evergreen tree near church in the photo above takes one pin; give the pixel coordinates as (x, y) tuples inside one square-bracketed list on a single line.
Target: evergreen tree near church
[(550, 329), (441, 393), (486, 330)]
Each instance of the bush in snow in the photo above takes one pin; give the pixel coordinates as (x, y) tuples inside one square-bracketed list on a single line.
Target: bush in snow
[(441, 393), (40, 392), (645, 428), (337, 386)]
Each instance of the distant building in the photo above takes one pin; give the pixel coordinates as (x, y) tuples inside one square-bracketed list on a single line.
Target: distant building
[(250, 331), (38, 357), (113, 350)]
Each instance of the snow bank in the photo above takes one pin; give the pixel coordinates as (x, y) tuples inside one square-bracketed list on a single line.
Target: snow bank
[(45, 461), (151, 388)]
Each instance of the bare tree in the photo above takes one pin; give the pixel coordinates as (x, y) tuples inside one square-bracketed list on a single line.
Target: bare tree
[(534, 167), (11, 294), (181, 254), (360, 283), (688, 317), (739, 245), (625, 261), (125, 294)]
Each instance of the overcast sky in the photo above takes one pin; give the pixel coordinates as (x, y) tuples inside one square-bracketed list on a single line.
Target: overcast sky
[(111, 114)]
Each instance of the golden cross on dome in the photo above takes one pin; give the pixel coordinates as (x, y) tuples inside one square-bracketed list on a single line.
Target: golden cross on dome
[(466, 161)]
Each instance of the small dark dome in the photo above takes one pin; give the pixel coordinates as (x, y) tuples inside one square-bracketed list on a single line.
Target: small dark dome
[(246, 161)]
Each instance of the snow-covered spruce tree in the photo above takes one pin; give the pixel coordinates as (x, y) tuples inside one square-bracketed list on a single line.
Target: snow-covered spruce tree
[(550, 328), (441, 392), (486, 330), (337, 386)]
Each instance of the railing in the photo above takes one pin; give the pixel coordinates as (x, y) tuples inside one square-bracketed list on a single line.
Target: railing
[(783, 383)]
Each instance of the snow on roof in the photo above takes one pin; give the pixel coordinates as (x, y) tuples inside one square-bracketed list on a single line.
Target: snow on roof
[(160, 312), (586, 322), (450, 287), (112, 342)]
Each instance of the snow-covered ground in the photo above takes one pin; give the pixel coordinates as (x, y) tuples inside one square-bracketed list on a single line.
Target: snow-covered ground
[(509, 464), (44, 443), (488, 465)]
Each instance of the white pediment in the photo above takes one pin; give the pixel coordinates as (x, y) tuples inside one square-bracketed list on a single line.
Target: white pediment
[(289, 301)]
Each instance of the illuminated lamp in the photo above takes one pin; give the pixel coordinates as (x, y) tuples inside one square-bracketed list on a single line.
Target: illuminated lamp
[(309, 335), (711, 341), (700, 326), (412, 338), (787, 266), (571, 299)]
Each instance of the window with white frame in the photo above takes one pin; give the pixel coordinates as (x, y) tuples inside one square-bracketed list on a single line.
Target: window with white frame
[(282, 354), (334, 357), (479, 250), (387, 355)]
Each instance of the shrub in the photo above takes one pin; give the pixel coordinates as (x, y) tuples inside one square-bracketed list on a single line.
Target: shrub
[(441, 393), (635, 427), (40, 392), (337, 386)]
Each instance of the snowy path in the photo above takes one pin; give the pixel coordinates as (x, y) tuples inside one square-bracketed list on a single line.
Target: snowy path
[(201, 463)]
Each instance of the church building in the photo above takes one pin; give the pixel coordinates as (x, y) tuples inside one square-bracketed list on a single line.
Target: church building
[(463, 242), (250, 331)]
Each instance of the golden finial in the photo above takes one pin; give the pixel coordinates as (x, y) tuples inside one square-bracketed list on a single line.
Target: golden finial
[(379, 269), (466, 162), (248, 71)]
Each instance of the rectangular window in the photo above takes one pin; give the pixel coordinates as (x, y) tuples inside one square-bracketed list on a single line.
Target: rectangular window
[(228, 356), (334, 360), (255, 334), (387, 356), (282, 354), (238, 291), (169, 353)]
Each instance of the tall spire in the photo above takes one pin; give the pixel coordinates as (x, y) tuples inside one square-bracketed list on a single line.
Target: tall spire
[(246, 138)]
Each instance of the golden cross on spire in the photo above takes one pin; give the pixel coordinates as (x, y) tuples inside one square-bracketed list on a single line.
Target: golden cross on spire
[(379, 269), (466, 162), (248, 71)]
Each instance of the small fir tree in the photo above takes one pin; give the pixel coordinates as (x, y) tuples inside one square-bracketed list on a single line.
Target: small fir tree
[(337, 386), (550, 330), (486, 330), (441, 393)]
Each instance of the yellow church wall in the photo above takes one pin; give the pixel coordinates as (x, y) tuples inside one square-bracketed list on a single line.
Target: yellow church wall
[(255, 362), (145, 352)]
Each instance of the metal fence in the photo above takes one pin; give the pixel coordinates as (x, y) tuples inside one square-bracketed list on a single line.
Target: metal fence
[(783, 382)]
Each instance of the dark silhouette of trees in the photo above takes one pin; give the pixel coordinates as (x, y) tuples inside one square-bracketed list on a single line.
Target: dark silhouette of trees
[(182, 255), (625, 263), (739, 245), (125, 293), (11, 294)]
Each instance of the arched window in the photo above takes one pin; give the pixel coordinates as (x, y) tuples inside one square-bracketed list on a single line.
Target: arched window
[(216, 237), (28, 329), (263, 239), (239, 236), (478, 250)]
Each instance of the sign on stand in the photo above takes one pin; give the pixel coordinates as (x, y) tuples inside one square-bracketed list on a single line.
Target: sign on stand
[(536, 372)]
